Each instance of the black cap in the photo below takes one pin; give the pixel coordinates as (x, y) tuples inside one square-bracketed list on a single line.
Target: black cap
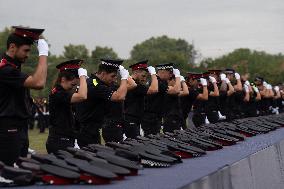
[(168, 66), (74, 64), (261, 79), (214, 71), (229, 71), (141, 65), (194, 75), (111, 63), (25, 32)]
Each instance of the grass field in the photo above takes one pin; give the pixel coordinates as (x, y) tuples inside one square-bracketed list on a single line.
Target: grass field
[(38, 140)]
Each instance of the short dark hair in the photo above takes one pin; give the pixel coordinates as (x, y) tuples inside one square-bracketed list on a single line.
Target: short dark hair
[(18, 40), (66, 74), (107, 69)]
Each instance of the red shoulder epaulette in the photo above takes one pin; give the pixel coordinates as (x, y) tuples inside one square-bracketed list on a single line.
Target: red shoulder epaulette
[(3, 63), (54, 90)]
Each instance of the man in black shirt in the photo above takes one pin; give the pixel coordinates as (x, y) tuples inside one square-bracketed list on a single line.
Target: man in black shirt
[(14, 89), (91, 113), (134, 102), (154, 103)]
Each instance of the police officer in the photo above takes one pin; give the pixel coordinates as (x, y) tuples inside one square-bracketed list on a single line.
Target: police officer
[(14, 89), (212, 106), (198, 96), (152, 117), (114, 121), (61, 130), (91, 113), (173, 117), (134, 101)]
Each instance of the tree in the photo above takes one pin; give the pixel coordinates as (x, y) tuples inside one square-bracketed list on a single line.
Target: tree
[(102, 52), (164, 50), (76, 52)]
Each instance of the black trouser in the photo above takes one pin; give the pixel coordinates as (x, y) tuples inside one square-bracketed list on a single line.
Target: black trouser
[(198, 119), (151, 124), (172, 123), (131, 127), (13, 140), (58, 142), (89, 134), (212, 116), (112, 131)]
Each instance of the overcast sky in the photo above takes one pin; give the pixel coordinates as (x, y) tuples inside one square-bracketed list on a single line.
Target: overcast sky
[(215, 26)]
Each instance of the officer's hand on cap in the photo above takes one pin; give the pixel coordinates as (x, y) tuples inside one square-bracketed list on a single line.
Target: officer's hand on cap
[(42, 47), (246, 88), (269, 87), (247, 83), (182, 78), (176, 72), (237, 76), (223, 77), (121, 67), (264, 84), (203, 82), (227, 80), (212, 79), (82, 72), (151, 70), (276, 88), (124, 74)]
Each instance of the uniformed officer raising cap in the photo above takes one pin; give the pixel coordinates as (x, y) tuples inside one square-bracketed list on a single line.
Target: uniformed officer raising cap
[(62, 121), (14, 89), (134, 101), (91, 113)]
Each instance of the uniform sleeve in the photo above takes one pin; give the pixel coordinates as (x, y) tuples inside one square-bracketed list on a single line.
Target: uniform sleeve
[(193, 94), (62, 97), (12, 77), (163, 86)]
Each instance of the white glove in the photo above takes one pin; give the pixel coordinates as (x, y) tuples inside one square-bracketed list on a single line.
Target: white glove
[(246, 88), (265, 84), (255, 89), (276, 88), (247, 83), (124, 74), (223, 77), (151, 70), (227, 80), (212, 79), (203, 82), (176, 72), (82, 72), (269, 87), (182, 78), (42, 47), (237, 76), (121, 67)]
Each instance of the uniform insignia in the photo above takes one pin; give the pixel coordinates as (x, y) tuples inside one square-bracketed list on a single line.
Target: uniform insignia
[(3, 63), (95, 82), (54, 90)]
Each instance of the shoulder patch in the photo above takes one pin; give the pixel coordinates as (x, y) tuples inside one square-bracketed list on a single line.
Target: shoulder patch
[(95, 82), (54, 90), (3, 63)]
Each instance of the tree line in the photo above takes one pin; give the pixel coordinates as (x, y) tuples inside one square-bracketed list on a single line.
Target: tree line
[(158, 50)]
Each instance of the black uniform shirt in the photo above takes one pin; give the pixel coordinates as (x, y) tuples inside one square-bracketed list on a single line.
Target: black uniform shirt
[(154, 102), (188, 101), (97, 104), (134, 102), (14, 98), (61, 115), (115, 112), (212, 103), (172, 106)]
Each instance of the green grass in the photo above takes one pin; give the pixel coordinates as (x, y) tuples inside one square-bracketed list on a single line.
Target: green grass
[(38, 140)]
